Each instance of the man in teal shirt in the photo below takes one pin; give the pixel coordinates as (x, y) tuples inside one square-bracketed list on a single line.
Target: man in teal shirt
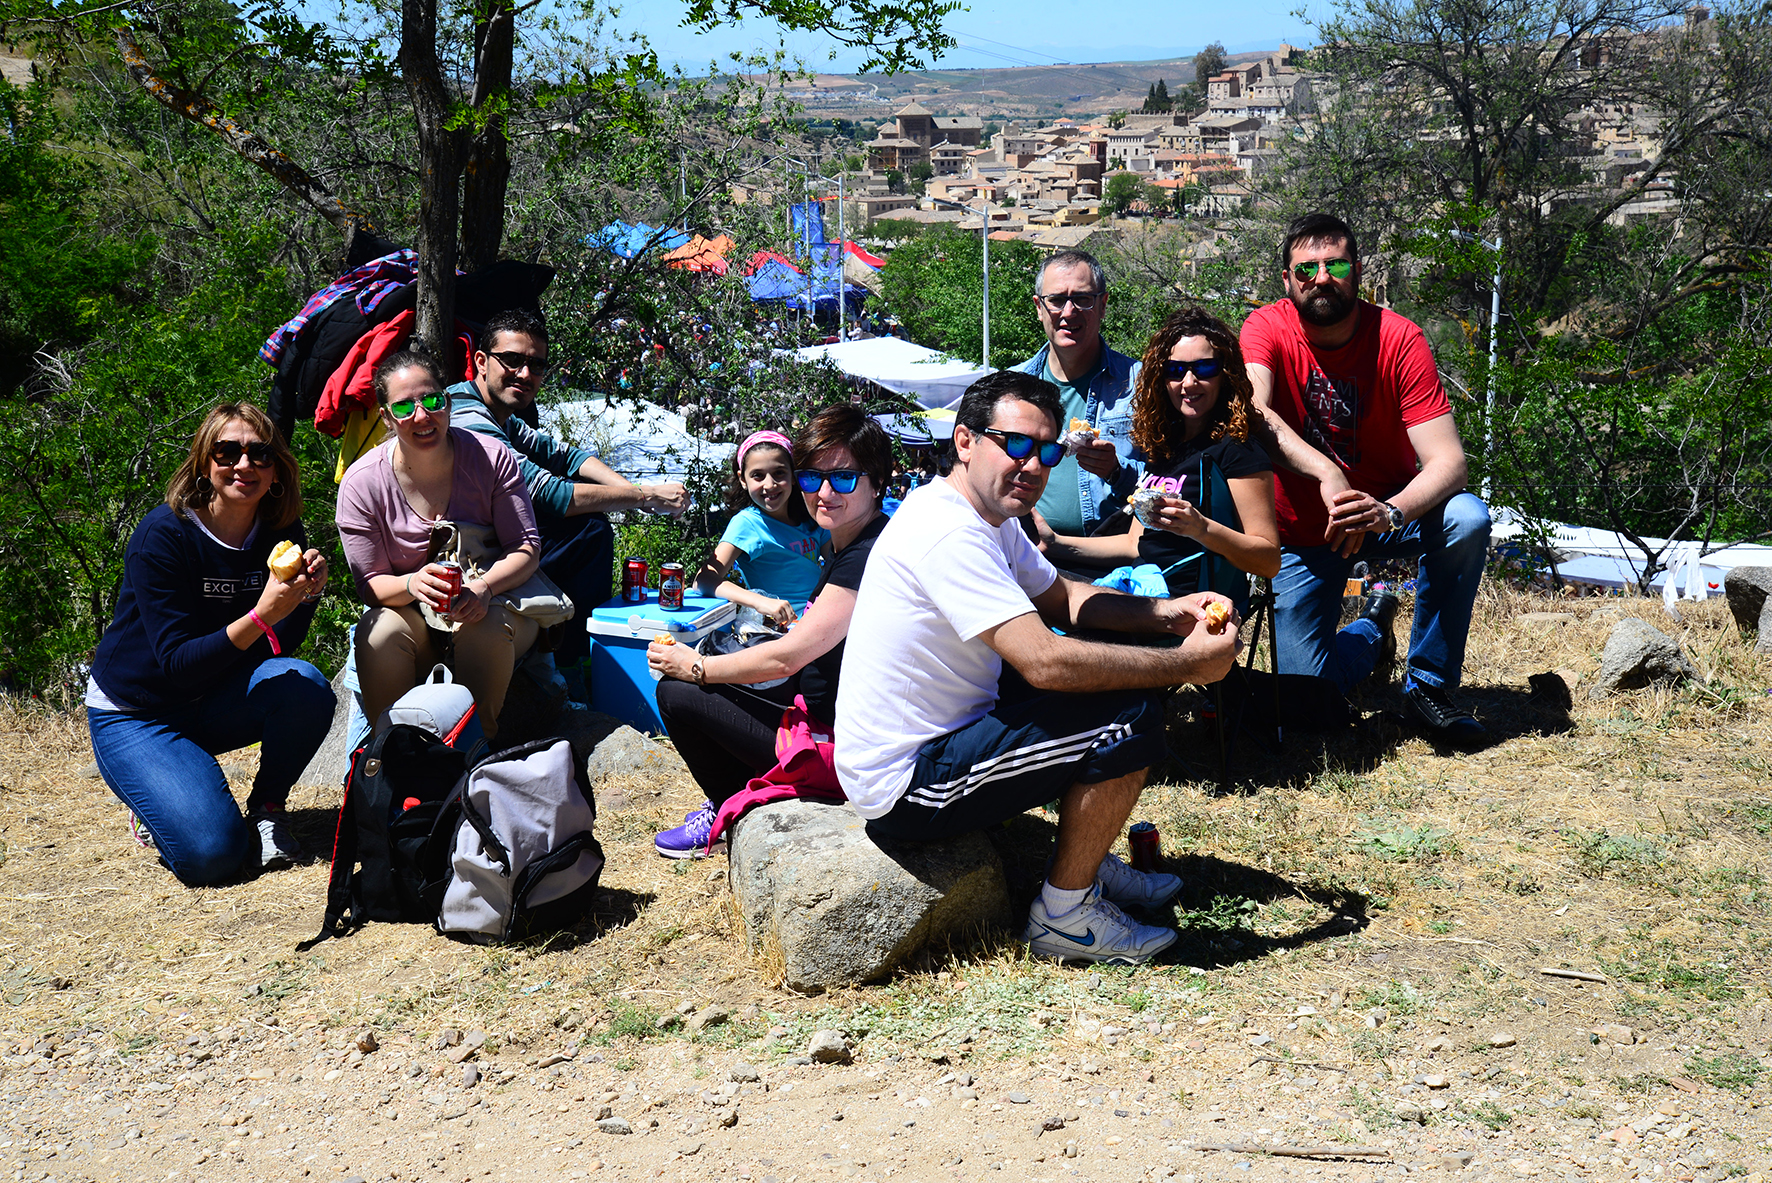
[(1095, 383), (571, 488)]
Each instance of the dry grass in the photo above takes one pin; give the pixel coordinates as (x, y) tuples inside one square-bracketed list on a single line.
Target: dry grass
[(1627, 836)]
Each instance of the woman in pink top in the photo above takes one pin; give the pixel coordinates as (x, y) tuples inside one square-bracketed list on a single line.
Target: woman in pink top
[(387, 503)]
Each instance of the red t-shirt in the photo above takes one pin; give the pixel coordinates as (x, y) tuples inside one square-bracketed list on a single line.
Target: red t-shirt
[(1354, 404)]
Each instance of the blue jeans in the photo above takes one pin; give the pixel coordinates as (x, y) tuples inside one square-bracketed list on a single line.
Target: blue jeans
[(1453, 544), (578, 554), (162, 763)]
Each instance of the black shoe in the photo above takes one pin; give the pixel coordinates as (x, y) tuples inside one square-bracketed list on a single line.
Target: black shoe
[(1381, 609), (1430, 705)]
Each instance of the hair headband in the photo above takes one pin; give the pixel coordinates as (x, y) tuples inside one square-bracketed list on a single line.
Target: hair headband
[(764, 437)]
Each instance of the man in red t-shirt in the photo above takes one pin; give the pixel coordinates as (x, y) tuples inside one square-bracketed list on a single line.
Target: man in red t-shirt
[(1368, 463)]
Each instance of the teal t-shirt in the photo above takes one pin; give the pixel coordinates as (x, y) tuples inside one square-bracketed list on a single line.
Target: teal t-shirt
[(1060, 504), (779, 560)]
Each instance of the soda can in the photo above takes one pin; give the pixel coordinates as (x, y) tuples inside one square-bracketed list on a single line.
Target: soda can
[(633, 581), (670, 586), (1145, 847), (451, 576)]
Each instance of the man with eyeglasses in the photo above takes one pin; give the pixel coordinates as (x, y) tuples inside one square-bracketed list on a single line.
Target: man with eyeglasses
[(570, 487), (1094, 384), (1368, 465), (936, 738)]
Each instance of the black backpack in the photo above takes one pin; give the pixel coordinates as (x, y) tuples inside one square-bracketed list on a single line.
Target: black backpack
[(386, 863)]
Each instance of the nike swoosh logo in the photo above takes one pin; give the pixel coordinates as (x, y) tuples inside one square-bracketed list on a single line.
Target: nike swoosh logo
[(1088, 937)]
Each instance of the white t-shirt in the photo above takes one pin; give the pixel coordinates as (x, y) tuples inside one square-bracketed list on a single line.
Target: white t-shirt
[(913, 666)]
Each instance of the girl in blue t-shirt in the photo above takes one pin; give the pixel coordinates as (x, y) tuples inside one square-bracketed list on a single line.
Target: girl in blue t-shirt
[(771, 539)]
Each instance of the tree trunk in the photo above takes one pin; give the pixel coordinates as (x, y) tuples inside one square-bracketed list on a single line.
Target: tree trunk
[(489, 163), (442, 152)]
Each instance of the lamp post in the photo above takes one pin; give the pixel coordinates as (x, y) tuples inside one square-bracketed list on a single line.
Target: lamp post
[(984, 240), (1494, 328)]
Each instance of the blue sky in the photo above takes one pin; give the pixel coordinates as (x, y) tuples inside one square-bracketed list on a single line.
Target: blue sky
[(1028, 32)]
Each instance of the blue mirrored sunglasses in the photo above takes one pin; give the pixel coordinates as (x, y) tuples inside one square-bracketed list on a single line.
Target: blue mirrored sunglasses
[(1206, 369), (1018, 446), (842, 480)]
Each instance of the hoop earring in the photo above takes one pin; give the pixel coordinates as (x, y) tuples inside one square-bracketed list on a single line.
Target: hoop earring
[(276, 489), (204, 487)]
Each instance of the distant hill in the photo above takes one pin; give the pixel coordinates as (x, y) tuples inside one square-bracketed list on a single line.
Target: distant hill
[(1016, 92)]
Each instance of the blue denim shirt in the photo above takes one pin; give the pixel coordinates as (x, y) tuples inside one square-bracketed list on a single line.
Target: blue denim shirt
[(1109, 411)]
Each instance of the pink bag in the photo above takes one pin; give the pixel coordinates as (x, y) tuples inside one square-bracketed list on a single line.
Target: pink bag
[(805, 766)]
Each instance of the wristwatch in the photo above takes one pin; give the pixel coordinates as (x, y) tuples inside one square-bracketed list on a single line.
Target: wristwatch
[(1395, 514)]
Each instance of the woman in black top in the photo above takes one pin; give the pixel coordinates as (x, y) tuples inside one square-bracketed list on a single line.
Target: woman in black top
[(199, 658), (1192, 406), (725, 731)]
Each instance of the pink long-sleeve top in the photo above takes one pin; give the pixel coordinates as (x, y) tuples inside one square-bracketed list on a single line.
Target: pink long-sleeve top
[(381, 533)]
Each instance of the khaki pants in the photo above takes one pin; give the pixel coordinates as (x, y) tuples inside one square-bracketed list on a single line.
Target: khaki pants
[(395, 649)]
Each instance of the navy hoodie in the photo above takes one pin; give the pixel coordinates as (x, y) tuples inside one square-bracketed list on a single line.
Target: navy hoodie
[(168, 643)]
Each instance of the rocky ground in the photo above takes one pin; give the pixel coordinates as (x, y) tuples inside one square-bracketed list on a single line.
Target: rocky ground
[(1365, 927)]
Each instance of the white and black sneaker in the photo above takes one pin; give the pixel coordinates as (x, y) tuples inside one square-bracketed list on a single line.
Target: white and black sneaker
[(277, 847), (1094, 931)]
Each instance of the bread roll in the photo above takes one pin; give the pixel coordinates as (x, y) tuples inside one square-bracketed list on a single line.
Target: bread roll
[(286, 561), (1218, 614)]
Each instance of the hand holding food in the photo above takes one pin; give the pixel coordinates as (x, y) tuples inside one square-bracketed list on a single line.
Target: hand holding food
[(1218, 614), (1080, 433), (1144, 504)]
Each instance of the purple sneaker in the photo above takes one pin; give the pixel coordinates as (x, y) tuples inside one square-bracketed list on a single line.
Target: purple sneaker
[(690, 840)]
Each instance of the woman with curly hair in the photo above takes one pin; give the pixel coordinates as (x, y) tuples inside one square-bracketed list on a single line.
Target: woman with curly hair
[(1190, 422)]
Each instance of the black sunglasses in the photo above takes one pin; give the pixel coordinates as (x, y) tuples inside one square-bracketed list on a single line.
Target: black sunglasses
[(843, 480), (1019, 447), (227, 453), (512, 360), (1205, 369)]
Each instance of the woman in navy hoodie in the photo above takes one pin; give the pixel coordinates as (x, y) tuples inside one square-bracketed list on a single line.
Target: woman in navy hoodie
[(197, 659)]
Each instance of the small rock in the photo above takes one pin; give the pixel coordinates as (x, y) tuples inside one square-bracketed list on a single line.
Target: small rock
[(447, 1038), (779, 1032), (744, 1074), (729, 1118), (1377, 1016), (1544, 619), (1616, 1033), (1018, 1098), (615, 1125), (1053, 1123), (829, 1047), (1408, 1112), (709, 1016), (89, 771), (604, 1112), (1637, 655), (1502, 1039), (1439, 1043), (1457, 1161), (1435, 1081), (366, 1042)]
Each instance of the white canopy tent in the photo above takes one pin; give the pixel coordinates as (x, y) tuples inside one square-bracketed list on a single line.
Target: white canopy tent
[(641, 441), (933, 378)]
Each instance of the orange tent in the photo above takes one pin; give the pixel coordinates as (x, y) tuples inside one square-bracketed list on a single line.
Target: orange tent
[(702, 254)]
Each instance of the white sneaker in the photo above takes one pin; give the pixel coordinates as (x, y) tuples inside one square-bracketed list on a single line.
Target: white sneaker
[(277, 847), (1095, 931), (1123, 885)]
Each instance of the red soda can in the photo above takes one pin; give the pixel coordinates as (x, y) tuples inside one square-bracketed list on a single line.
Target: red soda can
[(670, 586), (1143, 843), (633, 581), (451, 576)]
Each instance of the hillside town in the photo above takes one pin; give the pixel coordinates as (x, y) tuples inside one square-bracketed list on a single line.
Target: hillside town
[(1049, 185)]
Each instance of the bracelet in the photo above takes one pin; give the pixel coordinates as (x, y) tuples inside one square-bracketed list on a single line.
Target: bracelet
[(409, 587), (276, 649), (697, 674)]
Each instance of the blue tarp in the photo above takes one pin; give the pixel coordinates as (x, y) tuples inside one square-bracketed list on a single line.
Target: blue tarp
[(775, 280), (628, 239)]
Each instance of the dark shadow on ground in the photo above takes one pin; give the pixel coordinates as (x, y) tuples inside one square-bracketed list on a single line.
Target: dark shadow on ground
[(1379, 724), (611, 908)]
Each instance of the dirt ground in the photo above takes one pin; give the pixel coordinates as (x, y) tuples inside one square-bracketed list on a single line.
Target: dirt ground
[(1366, 929)]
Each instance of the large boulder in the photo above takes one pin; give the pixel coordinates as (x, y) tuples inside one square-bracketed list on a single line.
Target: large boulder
[(1637, 655), (1749, 590), (842, 909), (333, 760)]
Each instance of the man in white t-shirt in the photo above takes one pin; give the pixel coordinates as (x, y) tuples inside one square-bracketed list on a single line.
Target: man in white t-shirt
[(935, 738)]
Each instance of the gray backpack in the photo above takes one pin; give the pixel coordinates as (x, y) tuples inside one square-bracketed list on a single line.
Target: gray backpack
[(522, 854)]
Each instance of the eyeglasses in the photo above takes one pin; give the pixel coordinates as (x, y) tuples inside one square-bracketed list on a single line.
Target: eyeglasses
[(1019, 447), (433, 402), (843, 480), (514, 361), (1337, 269), (227, 453), (1081, 301), (1205, 369)]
